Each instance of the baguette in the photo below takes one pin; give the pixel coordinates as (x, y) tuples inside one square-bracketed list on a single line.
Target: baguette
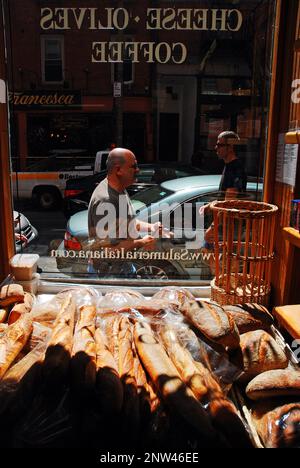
[(167, 380), (3, 315), (11, 294), (274, 383), (126, 357), (83, 364), (278, 427), (14, 375), (21, 383), (40, 335), (109, 387), (110, 325), (207, 391), (58, 354), (13, 341)]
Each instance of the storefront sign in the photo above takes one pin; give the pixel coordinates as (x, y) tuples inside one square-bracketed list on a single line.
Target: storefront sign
[(45, 99), (155, 19)]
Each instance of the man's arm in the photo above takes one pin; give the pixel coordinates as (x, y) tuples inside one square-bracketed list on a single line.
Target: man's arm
[(146, 243)]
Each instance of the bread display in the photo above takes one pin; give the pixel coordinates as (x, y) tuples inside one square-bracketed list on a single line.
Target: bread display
[(275, 383), (261, 353), (279, 427), (250, 317), (140, 374)]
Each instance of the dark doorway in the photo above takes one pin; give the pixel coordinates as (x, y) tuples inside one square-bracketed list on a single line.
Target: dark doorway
[(168, 137)]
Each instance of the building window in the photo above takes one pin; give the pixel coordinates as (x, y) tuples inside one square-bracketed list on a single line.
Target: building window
[(52, 59), (127, 67)]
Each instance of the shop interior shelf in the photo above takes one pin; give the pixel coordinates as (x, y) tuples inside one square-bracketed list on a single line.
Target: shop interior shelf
[(293, 236)]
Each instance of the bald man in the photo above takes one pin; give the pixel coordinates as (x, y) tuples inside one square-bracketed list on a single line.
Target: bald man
[(111, 216)]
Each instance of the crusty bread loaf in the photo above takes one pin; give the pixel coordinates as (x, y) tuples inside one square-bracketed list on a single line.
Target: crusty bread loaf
[(13, 341), (166, 378), (11, 294), (278, 427), (261, 353), (250, 317), (275, 383), (213, 322)]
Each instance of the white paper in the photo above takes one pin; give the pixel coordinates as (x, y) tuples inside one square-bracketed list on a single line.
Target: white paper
[(287, 159)]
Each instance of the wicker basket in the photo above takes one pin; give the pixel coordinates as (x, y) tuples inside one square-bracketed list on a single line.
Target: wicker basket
[(244, 251)]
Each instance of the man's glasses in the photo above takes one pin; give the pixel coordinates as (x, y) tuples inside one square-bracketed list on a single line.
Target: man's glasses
[(221, 145)]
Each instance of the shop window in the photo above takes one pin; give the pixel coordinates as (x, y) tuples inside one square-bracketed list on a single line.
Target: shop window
[(170, 115), (52, 59)]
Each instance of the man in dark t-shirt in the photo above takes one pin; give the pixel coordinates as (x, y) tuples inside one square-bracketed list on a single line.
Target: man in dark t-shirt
[(234, 178)]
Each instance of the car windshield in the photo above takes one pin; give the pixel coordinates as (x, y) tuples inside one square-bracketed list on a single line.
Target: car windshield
[(151, 195)]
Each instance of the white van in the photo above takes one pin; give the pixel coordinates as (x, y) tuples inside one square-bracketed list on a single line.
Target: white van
[(45, 182)]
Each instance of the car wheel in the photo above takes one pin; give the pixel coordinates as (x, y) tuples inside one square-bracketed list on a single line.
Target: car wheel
[(47, 199), (158, 271)]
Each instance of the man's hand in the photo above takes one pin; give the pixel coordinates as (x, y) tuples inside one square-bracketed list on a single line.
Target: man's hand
[(159, 231), (203, 209), (147, 243)]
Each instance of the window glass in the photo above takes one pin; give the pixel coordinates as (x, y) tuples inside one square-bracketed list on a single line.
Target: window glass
[(162, 79)]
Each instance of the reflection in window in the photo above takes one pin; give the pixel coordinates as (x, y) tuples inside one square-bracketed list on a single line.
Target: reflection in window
[(52, 59)]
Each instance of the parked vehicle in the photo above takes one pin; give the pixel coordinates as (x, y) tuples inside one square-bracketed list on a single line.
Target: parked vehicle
[(79, 191), (25, 233), (44, 182), (194, 191)]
